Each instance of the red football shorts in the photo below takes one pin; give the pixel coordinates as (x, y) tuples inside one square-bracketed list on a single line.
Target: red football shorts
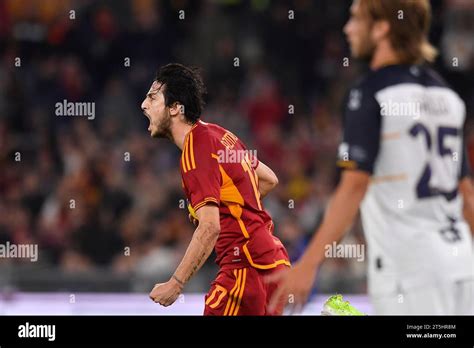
[(241, 291)]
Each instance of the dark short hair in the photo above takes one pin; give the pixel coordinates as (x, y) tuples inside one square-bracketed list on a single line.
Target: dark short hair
[(184, 85)]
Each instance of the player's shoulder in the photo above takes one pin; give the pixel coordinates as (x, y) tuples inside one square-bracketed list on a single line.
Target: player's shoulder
[(205, 129), (368, 85), (211, 131), (360, 94), (402, 74), (208, 135)]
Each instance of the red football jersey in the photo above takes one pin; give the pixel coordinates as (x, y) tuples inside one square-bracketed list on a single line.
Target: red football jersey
[(216, 168)]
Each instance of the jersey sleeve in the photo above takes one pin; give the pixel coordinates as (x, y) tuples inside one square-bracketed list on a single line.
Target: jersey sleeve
[(200, 171), (252, 155), (253, 160), (465, 168), (361, 138)]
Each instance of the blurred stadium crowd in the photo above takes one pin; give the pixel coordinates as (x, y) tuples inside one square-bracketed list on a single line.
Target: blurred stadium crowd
[(284, 98)]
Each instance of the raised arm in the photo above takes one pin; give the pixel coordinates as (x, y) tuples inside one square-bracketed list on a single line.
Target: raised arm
[(201, 246)]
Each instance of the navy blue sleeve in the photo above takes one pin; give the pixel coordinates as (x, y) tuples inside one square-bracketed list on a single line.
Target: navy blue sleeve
[(465, 168), (361, 139)]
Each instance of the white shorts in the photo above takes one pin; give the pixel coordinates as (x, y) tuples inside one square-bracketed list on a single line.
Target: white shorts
[(449, 298)]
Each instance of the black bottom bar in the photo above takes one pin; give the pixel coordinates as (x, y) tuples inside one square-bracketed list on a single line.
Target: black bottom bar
[(159, 331)]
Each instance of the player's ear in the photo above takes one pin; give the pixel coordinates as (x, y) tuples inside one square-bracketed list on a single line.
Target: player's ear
[(176, 109), (380, 30)]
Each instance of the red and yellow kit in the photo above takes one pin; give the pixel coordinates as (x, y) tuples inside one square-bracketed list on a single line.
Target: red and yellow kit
[(216, 168)]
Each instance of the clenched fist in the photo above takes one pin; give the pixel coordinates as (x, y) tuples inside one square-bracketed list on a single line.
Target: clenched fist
[(166, 293)]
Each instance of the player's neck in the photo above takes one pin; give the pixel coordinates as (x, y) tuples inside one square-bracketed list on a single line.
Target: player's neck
[(179, 133), (384, 55)]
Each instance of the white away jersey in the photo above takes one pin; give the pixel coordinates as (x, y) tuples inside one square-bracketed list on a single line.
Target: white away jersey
[(404, 126)]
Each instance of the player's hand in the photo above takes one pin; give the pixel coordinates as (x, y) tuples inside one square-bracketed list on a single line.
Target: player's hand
[(166, 293), (194, 221), (294, 286)]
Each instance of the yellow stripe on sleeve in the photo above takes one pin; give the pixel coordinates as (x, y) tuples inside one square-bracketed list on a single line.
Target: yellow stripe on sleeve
[(193, 164), (186, 153)]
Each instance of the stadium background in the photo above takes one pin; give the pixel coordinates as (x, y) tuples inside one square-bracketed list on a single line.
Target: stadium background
[(128, 229)]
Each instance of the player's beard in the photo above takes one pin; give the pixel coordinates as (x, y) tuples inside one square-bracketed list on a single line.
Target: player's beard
[(163, 128), (365, 50)]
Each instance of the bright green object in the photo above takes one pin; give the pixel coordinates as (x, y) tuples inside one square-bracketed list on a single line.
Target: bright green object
[(335, 305)]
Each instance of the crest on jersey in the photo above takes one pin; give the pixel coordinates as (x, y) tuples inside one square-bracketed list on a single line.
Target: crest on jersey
[(414, 70), (355, 97)]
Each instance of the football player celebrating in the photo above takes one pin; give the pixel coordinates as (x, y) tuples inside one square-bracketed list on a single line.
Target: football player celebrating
[(223, 183)]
